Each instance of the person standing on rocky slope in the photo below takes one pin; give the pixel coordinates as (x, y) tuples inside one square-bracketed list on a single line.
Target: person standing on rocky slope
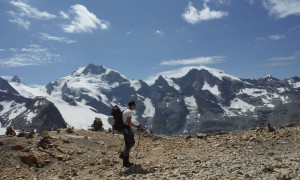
[(128, 134)]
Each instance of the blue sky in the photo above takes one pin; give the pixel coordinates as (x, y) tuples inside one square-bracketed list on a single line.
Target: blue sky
[(45, 40)]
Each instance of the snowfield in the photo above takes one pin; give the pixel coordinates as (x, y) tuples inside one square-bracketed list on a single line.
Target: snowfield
[(242, 105), (213, 89), (80, 116)]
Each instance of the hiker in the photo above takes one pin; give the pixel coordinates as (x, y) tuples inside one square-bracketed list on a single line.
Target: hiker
[(128, 134)]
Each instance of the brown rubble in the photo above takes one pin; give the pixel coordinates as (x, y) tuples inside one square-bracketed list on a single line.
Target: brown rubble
[(85, 154)]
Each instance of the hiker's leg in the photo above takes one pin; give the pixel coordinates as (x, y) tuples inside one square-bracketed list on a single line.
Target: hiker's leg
[(129, 142)]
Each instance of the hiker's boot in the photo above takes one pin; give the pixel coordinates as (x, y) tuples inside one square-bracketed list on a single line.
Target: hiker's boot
[(121, 156), (126, 162)]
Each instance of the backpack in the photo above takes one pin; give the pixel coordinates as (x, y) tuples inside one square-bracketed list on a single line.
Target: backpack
[(117, 116)]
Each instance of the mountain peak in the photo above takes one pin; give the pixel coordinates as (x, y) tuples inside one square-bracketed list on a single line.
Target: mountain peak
[(268, 77), (16, 79), (181, 72), (93, 69)]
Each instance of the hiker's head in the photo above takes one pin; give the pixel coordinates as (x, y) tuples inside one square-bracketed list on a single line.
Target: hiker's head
[(132, 105)]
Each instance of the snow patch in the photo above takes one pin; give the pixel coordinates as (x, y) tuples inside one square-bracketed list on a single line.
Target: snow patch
[(136, 85), (191, 103), (12, 108), (30, 116), (242, 105), (173, 84), (281, 90), (213, 89), (253, 92), (228, 112), (150, 109)]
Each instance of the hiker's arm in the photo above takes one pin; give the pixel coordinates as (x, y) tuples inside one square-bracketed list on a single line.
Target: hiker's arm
[(131, 124)]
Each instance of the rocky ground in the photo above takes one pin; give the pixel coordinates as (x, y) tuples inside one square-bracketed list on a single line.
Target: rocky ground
[(251, 154)]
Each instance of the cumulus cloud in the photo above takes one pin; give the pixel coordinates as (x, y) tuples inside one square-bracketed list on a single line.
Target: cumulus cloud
[(282, 8), (272, 37), (46, 36), (83, 20), (32, 55), (283, 60), (194, 61), (193, 16)]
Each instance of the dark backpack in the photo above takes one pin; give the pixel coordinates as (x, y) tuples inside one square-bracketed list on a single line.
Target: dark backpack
[(118, 116)]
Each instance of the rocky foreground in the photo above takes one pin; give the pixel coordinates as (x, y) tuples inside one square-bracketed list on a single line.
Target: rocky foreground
[(251, 154)]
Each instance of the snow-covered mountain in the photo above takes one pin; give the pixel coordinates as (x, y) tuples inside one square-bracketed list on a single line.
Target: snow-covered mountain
[(187, 100), (26, 112)]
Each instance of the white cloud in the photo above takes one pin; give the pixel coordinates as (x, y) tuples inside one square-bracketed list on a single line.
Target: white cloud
[(284, 60), (31, 12), (25, 12), (193, 16), (159, 33), (15, 18), (2, 50), (33, 55), (276, 37), (84, 21), (218, 2), (195, 61), (64, 15), (45, 36), (272, 37), (282, 8)]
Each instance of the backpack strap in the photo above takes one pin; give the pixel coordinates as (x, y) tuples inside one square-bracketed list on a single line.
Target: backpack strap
[(122, 116)]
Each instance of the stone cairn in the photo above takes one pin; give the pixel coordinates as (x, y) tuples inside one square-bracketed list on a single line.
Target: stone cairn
[(97, 125), (10, 131)]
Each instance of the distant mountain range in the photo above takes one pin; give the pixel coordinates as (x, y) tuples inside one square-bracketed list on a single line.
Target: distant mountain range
[(189, 100)]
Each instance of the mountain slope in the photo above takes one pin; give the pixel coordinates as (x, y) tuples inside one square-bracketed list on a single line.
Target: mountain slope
[(187, 100), (27, 113)]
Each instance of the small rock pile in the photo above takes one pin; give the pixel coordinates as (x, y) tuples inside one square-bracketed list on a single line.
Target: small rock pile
[(22, 133), (46, 142), (10, 131), (97, 125)]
